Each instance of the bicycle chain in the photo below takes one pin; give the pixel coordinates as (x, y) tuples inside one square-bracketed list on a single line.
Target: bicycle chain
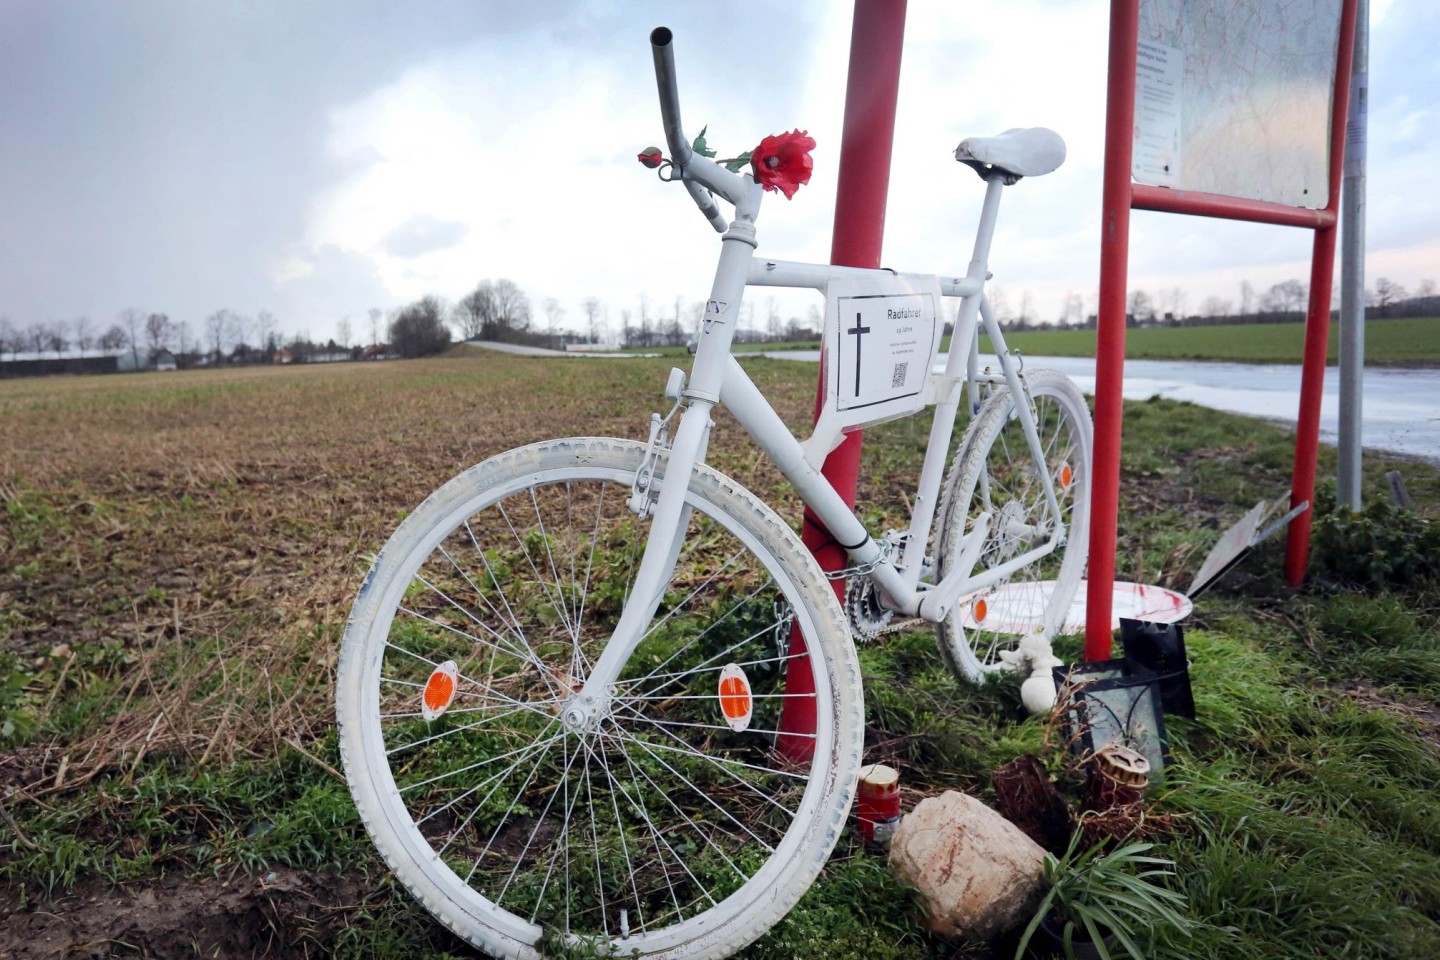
[(869, 622)]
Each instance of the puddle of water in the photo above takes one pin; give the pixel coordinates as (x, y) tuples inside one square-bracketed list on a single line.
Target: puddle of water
[(1401, 409)]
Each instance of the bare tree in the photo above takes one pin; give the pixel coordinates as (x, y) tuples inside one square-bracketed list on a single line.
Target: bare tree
[(50, 336), (554, 313), (1247, 298), (1288, 296), (113, 339), (1172, 302), (1139, 306), (133, 320), (182, 334), (35, 337), (1215, 307), (342, 331), (237, 330), (8, 337), (645, 321), (512, 307), (628, 335), (420, 329), (1027, 305), (1072, 309), (774, 326), (1425, 289), (215, 327), (266, 326), (476, 312), (376, 315), (816, 318), (592, 317), (83, 340), (1387, 294), (999, 304), (157, 332)]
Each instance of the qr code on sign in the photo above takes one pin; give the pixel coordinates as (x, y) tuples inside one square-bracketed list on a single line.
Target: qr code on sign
[(897, 379)]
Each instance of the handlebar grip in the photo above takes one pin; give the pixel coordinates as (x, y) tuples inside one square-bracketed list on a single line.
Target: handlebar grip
[(664, 57), (680, 151)]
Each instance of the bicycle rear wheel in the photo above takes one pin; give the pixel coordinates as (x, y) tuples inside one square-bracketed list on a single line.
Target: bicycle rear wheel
[(673, 827), (994, 472)]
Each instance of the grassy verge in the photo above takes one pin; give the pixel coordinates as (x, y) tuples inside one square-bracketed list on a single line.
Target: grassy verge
[(1409, 341), (1404, 342), (178, 553)]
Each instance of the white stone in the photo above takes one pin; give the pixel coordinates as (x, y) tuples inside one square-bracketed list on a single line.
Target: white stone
[(978, 873)]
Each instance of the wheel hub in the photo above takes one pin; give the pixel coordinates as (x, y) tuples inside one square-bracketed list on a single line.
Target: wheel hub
[(582, 713)]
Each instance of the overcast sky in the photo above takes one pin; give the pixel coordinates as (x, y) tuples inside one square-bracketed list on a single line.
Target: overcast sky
[(318, 159)]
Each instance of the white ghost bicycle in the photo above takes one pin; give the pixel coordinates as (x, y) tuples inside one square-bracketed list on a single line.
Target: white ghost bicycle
[(595, 698)]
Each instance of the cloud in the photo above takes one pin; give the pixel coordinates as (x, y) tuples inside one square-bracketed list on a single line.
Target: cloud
[(382, 154), (423, 234), (314, 292)]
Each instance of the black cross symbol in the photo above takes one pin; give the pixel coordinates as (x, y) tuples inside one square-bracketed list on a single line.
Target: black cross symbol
[(858, 330)]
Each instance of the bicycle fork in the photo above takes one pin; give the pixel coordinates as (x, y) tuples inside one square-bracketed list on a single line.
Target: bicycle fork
[(669, 517)]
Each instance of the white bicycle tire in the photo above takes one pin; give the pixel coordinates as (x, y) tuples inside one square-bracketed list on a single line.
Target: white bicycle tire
[(773, 888), (969, 649)]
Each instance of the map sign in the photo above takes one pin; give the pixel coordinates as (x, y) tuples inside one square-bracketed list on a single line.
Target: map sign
[(1234, 97)]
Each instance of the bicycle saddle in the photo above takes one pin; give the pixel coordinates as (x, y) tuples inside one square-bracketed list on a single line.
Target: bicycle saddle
[(1021, 152)]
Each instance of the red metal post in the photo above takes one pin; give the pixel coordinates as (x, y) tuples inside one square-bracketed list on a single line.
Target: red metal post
[(877, 37), (1317, 323), (1110, 324)]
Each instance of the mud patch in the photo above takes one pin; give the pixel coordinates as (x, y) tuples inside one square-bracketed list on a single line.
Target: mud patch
[(280, 913)]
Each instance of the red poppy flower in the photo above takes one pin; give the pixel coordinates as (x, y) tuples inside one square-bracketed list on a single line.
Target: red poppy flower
[(651, 157), (783, 162)]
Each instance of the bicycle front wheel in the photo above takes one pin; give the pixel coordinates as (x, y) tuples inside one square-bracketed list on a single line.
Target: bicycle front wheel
[(995, 472), (677, 824)]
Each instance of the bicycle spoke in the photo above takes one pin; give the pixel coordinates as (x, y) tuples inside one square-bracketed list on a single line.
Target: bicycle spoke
[(706, 632), (730, 773), (554, 574), (476, 765), (644, 821), (539, 821), (628, 738), (620, 828), (447, 733), (704, 667)]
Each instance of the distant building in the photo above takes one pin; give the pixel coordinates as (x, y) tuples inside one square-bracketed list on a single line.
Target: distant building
[(129, 361), (28, 364)]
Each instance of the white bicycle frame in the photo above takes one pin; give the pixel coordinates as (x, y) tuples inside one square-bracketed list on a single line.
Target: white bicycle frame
[(717, 377)]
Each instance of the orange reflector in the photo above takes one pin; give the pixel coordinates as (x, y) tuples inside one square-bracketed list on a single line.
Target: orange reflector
[(979, 610), (735, 701), (439, 691), (1067, 476)]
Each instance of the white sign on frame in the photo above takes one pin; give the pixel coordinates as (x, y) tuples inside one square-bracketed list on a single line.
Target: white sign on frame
[(882, 334)]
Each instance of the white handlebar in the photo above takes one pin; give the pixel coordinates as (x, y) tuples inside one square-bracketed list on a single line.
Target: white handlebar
[(700, 174)]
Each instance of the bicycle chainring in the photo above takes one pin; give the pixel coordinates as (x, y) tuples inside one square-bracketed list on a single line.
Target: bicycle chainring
[(866, 615)]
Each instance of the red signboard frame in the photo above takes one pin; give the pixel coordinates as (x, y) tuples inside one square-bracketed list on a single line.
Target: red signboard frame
[(1120, 197)]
